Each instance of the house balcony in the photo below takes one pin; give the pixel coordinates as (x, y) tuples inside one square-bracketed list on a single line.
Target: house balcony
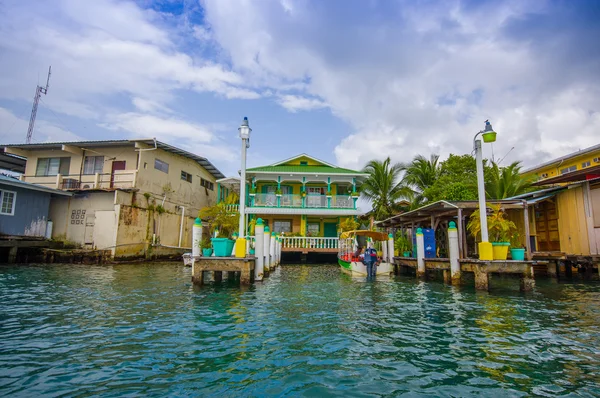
[(119, 179), (343, 202)]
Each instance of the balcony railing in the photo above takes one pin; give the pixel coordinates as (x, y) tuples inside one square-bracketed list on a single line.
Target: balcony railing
[(302, 242), (117, 179), (303, 202)]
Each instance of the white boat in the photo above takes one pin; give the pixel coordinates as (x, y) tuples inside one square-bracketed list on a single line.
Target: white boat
[(350, 263)]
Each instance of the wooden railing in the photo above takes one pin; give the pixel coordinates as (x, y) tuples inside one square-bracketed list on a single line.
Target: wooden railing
[(302, 242), (118, 179), (232, 208), (302, 202)]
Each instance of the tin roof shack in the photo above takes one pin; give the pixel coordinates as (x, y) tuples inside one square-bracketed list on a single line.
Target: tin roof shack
[(24, 208)]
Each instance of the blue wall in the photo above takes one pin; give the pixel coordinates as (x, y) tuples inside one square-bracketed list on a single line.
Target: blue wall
[(31, 213)]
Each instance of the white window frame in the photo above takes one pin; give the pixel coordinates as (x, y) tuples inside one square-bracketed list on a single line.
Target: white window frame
[(160, 165), (95, 163), (586, 164), (14, 202), (277, 224), (568, 170)]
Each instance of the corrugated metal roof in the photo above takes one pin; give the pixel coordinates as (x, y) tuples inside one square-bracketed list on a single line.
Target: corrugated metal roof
[(94, 144), (304, 170), (562, 158), (6, 180)]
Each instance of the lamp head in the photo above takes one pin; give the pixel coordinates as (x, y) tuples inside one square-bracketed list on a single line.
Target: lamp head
[(489, 135), (245, 129)]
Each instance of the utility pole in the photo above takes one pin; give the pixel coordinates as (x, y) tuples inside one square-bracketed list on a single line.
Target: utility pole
[(39, 90)]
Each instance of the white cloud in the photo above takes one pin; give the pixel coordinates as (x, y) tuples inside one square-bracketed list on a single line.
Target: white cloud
[(14, 130), (295, 103)]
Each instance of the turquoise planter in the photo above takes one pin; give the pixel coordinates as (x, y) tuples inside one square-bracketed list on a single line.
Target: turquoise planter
[(222, 246), (207, 252), (517, 254)]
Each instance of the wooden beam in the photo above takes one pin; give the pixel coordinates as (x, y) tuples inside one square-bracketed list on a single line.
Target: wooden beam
[(16, 151), (527, 240), (72, 149)]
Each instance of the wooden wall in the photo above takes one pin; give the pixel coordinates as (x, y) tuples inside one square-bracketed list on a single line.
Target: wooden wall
[(572, 223)]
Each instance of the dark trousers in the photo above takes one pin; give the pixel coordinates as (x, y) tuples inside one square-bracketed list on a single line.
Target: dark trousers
[(371, 268)]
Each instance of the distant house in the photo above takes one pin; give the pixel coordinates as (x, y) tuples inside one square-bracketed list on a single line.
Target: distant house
[(300, 196), (576, 166), (126, 194), (24, 207)]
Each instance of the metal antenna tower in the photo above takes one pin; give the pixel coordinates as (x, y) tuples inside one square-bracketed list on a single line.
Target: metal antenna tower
[(39, 90)]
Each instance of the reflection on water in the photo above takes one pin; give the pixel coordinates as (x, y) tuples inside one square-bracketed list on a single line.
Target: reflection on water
[(307, 330)]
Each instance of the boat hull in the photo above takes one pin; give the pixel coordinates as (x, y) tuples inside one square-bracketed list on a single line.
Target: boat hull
[(356, 268)]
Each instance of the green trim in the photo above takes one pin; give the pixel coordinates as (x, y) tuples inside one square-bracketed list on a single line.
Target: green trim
[(303, 169), (345, 264)]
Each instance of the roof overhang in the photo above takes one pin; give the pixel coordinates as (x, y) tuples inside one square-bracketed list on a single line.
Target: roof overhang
[(12, 163), (32, 187), (561, 159), (582, 175)]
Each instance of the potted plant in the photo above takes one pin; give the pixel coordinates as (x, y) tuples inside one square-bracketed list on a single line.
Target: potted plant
[(403, 245), (500, 229), (329, 193), (278, 192), (206, 246), (303, 193), (220, 219), (355, 194), (252, 191), (517, 252)]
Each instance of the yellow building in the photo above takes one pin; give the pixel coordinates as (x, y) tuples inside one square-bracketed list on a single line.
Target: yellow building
[(585, 162), (301, 196), (126, 193)]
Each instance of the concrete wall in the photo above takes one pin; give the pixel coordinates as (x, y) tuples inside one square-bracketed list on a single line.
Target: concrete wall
[(31, 213), (191, 195), (572, 224)]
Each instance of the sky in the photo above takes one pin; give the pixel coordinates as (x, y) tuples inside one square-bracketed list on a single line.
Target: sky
[(345, 81)]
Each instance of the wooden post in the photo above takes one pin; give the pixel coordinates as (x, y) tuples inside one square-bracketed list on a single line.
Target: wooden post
[(267, 250), (12, 255), (453, 249), (462, 251), (218, 276), (259, 249), (420, 254), (482, 279), (527, 280), (527, 240)]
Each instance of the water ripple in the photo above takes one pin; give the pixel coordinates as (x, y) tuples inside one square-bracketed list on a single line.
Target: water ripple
[(144, 329)]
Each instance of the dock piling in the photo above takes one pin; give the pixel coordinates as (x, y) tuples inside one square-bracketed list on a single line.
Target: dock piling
[(454, 253), (420, 254), (259, 249)]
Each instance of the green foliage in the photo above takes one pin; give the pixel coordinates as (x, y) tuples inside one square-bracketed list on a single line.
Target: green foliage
[(515, 240), (278, 191), (252, 227), (160, 209), (500, 228), (457, 180), (506, 182), (205, 243), (218, 217), (147, 195), (383, 187), (150, 207), (348, 224), (355, 194), (402, 244), (252, 190), (232, 199)]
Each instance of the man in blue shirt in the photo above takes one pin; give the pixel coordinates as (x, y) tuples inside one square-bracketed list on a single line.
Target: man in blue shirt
[(370, 259)]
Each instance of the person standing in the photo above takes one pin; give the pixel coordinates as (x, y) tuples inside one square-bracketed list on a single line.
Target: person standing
[(370, 259)]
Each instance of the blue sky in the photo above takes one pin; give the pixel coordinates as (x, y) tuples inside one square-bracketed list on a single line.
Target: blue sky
[(345, 81)]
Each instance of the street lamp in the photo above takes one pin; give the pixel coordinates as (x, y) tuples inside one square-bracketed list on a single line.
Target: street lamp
[(489, 136), (245, 131)]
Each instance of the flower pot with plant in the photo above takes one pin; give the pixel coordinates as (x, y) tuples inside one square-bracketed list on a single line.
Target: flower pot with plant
[(219, 218), (206, 246), (517, 252), (252, 191), (500, 229), (278, 192), (403, 245), (329, 193)]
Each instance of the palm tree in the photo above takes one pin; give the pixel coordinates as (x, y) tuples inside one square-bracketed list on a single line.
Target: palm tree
[(506, 182), (383, 187), (421, 174)]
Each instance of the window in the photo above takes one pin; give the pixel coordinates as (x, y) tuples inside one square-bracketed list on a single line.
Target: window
[(7, 203), (207, 184), (304, 163), (586, 164), (93, 165), (568, 170), (312, 229), (162, 166), (52, 166), (282, 226), (186, 176)]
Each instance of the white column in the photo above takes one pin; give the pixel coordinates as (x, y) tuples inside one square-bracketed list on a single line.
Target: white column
[(196, 237), (267, 248), (242, 227), (420, 253), (272, 250), (453, 252), (384, 249), (259, 249), (481, 191), (390, 244)]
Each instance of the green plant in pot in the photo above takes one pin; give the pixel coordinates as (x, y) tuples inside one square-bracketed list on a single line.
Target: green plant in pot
[(517, 251), (403, 245), (206, 246), (220, 219), (500, 228)]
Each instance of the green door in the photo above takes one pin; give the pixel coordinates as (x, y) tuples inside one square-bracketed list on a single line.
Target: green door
[(330, 230)]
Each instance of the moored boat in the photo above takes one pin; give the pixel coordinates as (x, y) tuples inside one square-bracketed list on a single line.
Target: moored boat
[(348, 258)]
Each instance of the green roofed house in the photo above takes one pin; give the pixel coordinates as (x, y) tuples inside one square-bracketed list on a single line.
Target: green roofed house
[(300, 196)]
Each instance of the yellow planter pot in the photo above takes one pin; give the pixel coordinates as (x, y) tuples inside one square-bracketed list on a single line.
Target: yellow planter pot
[(500, 250)]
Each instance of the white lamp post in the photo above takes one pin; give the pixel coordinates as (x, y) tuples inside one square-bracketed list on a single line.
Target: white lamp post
[(489, 135), (245, 131)]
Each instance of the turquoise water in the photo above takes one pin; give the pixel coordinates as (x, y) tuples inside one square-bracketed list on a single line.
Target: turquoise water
[(145, 330)]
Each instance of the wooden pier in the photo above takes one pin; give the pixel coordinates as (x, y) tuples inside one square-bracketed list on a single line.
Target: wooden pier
[(244, 267), (480, 269)]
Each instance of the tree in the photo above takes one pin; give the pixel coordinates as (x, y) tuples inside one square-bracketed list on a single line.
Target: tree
[(383, 187), (457, 180), (421, 173), (506, 182)]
